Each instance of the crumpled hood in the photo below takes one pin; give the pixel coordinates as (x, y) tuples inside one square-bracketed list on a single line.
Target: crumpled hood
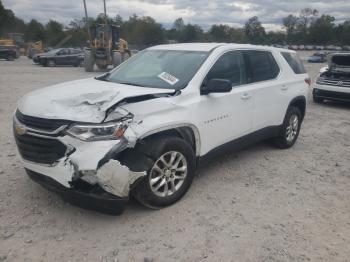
[(85, 100)]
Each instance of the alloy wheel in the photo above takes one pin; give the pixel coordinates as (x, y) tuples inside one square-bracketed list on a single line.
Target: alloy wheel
[(292, 128), (168, 174)]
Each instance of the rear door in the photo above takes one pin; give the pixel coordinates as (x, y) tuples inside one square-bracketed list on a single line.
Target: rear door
[(262, 77)]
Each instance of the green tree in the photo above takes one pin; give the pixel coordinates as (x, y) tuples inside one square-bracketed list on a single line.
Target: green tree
[(322, 30), (191, 33), (220, 33), (254, 31), (306, 17), (290, 23), (35, 31), (54, 33)]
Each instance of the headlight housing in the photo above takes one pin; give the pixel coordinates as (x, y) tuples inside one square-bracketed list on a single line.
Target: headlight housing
[(95, 132)]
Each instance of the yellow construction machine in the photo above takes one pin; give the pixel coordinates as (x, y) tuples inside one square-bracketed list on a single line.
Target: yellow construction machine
[(105, 45)]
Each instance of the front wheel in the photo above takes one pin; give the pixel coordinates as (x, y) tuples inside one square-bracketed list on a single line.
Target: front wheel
[(89, 61), (290, 128), (10, 58), (51, 63), (171, 174)]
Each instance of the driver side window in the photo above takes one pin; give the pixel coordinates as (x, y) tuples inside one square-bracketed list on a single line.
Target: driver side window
[(229, 66)]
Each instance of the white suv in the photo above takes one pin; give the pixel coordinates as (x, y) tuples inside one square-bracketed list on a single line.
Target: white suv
[(143, 128)]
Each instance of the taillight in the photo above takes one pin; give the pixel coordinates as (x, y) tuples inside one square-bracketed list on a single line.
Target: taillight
[(308, 81)]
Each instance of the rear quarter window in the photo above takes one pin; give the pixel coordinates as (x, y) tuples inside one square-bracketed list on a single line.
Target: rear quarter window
[(294, 62)]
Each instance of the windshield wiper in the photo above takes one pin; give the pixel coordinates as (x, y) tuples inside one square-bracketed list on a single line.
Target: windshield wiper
[(103, 77), (131, 84)]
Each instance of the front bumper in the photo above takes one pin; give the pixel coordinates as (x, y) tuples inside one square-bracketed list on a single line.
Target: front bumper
[(83, 195), (69, 163), (331, 94)]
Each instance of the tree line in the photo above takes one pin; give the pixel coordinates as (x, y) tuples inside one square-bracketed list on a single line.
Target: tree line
[(308, 27)]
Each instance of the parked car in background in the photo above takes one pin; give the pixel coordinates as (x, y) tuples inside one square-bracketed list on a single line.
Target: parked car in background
[(319, 47), (309, 47), (301, 47), (333, 83), (8, 52), (319, 57), (330, 47), (142, 129), (61, 56)]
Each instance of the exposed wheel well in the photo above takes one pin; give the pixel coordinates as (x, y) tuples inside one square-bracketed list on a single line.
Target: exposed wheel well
[(184, 132), (299, 102)]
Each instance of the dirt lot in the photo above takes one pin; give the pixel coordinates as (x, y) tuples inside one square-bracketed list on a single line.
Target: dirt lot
[(260, 204)]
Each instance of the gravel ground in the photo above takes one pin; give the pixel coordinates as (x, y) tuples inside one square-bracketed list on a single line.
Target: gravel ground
[(259, 204)]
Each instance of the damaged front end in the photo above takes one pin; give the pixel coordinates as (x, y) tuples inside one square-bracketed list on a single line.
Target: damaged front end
[(79, 161)]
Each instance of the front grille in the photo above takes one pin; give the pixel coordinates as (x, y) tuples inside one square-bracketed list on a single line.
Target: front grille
[(40, 123), (333, 82), (38, 149)]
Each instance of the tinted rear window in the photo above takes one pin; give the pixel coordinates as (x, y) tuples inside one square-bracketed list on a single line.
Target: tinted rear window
[(261, 66), (295, 63)]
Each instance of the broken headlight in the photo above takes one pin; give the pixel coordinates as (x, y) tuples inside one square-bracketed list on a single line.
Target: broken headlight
[(93, 132)]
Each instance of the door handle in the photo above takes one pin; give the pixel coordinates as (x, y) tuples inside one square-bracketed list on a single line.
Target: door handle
[(246, 96), (284, 87)]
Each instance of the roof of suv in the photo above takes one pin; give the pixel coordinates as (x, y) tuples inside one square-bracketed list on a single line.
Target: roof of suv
[(210, 46)]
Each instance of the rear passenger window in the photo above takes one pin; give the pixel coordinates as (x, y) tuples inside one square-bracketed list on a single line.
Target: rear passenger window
[(294, 62), (229, 66), (260, 66)]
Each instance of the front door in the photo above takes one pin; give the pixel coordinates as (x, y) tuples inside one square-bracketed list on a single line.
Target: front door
[(226, 116)]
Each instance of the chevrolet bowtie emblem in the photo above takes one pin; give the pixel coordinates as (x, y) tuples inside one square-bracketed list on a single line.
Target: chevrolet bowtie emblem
[(20, 129)]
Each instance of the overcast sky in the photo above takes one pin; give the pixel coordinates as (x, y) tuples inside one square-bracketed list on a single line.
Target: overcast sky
[(204, 13)]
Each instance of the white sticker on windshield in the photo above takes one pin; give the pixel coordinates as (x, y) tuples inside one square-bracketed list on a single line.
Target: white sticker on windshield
[(168, 78)]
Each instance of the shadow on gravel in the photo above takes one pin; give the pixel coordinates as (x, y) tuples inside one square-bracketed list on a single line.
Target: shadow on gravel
[(336, 104)]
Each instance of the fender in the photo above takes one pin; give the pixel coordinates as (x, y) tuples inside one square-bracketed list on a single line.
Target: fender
[(176, 126), (301, 102)]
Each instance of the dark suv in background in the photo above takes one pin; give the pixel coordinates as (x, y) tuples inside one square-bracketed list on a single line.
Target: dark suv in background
[(8, 52), (61, 56)]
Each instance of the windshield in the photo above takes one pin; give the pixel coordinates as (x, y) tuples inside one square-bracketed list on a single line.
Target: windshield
[(159, 69)]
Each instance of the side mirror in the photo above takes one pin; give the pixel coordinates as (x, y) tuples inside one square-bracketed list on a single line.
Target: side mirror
[(216, 85)]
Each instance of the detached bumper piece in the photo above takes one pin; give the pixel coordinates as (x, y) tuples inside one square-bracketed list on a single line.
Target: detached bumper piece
[(83, 195), (331, 95)]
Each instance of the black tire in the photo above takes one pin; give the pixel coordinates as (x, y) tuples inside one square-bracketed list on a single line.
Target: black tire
[(89, 61), (10, 58), (284, 141), (317, 100), (117, 59), (154, 149), (102, 67), (51, 63), (126, 55)]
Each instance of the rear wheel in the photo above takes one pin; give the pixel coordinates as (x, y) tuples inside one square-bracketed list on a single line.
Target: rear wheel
[(171, 174), (89, 61), (290, 128), (51, 63)]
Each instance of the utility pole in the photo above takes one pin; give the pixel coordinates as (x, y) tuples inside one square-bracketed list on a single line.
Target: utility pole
[(106, 33), (87, 22)]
